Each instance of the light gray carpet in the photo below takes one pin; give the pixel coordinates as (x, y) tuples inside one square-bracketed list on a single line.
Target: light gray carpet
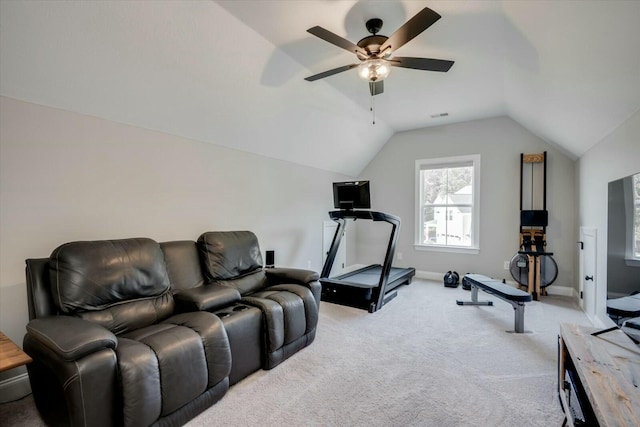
[(420, 361)]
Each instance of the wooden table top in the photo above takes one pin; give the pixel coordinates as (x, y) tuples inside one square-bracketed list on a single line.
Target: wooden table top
[(609, 368), (11, 356)]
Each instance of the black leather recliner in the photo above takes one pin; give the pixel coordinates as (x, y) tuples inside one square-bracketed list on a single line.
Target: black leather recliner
[(243, 323), (288, 298), (107, 345)]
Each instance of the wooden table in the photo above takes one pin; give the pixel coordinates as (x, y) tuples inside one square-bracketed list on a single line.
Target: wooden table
[(608, 367), (11, 356)]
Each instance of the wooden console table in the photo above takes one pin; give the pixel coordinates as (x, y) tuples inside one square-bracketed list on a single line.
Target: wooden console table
[(11, 356), (607, 368)]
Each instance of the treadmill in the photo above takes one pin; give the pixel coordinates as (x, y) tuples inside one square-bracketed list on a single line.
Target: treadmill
[(371, 287)]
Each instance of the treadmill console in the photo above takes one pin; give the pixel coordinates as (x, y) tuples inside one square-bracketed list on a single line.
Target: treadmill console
[(351, 195)]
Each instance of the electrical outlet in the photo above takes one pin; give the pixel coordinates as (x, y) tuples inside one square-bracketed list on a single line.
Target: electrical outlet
[(506, 265), (399, 255)]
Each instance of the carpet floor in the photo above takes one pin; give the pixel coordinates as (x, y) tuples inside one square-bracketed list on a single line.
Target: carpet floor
[(420, 361)]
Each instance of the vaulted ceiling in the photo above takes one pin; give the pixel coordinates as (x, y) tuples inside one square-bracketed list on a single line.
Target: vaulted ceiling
[(231, 72)]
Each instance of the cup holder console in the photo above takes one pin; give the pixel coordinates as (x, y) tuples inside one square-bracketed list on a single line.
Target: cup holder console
[(243, 324), (232, 311)]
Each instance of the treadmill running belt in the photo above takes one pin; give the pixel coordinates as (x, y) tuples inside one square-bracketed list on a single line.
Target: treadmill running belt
[(357, 288)]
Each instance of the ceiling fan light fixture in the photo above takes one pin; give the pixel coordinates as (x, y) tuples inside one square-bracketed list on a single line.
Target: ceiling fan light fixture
[(374, 70)]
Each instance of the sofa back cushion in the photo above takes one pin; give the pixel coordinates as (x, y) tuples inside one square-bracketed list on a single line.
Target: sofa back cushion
[(232, 258), (121, 284), (183, 264)]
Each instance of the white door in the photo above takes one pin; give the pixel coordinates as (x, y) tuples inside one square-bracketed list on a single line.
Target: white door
[(588, 285), (328, 231)]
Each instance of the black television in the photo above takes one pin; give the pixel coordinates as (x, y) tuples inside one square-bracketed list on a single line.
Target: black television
[(351, 195), (532, 218)]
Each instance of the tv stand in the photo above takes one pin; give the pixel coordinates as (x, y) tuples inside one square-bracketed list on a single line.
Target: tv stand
[(598, 377)]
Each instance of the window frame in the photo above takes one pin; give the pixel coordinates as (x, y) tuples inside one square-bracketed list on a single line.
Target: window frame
[(448, 162), (631, 259)]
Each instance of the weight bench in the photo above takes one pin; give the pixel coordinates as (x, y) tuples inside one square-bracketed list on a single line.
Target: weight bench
[(631, 327), (513, 296), (620, 309)]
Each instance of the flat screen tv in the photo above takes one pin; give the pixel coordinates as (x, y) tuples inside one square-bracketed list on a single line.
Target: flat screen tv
[(534, 218), (351, 195)]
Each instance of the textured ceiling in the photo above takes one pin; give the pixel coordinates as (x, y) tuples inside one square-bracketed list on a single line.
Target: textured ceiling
[(231, 72)]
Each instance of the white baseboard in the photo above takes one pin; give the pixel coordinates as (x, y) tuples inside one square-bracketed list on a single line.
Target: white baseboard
[(551, 290), (429, 275), (564, 291), (14, 388)]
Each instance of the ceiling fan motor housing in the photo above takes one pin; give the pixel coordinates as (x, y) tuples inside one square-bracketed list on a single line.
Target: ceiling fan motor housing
[(372, 45)]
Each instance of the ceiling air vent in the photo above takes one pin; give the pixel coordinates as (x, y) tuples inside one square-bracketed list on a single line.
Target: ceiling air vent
[(436, 116)]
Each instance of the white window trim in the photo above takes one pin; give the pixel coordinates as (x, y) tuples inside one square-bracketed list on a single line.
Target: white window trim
[(475, 248), (630, 204), (632, 262)]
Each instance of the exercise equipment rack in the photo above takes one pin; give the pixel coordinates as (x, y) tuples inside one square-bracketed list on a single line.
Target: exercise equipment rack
[(533, 227)]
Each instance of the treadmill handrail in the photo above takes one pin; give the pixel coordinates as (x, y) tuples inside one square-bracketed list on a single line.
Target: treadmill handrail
[(333, 249)]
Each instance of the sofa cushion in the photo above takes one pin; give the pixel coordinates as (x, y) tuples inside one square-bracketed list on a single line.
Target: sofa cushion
[(291, 315), (165, 366), (229, 254), (94, 275), (183, 264), (131, 315)]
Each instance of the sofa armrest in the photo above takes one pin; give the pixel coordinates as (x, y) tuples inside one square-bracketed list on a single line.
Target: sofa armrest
[(286, 276), (290, 275), (69, 338), (205, 298)]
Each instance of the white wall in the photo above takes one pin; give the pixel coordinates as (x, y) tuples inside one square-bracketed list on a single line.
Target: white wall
[(499, 141), (616, 156), (66, 176)]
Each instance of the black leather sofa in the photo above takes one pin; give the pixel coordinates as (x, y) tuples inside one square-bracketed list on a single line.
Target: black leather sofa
[(134, 332)]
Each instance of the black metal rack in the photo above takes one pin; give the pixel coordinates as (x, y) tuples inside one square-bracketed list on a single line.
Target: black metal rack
[(533, 229), (530, 218)]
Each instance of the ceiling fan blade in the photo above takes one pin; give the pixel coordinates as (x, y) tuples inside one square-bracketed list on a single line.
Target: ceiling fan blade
[(376, 88), (335, 39), (330, 72), (414, 26), (427, 64)]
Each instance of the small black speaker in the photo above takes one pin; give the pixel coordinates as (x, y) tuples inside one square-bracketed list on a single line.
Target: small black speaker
[(271, 259)]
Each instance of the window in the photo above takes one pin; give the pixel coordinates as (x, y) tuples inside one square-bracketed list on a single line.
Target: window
[(447, 203), (635, 236)]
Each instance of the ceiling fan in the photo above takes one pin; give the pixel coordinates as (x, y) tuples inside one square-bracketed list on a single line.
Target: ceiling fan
[(374, 51)]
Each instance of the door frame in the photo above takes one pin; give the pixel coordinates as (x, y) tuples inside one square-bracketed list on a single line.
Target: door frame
[(588, 297)]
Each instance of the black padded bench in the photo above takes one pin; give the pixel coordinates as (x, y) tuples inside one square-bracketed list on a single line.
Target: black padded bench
[(623, 308), (631, 327), (516, 297)]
